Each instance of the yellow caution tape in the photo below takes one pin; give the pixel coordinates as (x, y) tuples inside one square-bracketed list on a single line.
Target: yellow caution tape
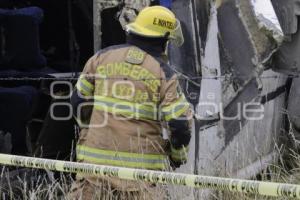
[(228, 184)]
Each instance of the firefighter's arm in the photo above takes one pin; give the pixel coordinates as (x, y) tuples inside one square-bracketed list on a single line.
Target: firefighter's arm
[(177, 113), (86, 81), (82, 96), (180, 138), (82, 108)]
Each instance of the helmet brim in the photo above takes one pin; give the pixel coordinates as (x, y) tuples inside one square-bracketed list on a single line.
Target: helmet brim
[(141, 31)]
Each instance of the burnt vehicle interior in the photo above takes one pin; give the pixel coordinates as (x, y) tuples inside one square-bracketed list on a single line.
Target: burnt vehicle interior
[(42, 41)]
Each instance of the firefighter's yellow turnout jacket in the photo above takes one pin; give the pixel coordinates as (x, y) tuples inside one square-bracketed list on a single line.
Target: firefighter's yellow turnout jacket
[(131, 93)]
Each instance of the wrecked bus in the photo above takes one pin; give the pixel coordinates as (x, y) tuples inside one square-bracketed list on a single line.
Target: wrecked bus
[(238, 67)]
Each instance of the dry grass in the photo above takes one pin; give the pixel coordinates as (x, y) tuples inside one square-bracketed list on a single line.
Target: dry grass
[(29, 184), (287, 171)]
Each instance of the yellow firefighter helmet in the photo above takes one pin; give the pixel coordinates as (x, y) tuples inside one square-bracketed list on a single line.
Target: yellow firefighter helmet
[(157, 22)]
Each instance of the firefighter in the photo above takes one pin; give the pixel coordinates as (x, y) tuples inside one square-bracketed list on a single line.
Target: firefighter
[(124, 96)]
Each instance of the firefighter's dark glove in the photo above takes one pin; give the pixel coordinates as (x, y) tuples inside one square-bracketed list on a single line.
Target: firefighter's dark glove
[(178, 156)]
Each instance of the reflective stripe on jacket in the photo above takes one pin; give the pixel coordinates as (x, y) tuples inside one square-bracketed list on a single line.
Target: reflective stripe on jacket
[(124, 159)]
